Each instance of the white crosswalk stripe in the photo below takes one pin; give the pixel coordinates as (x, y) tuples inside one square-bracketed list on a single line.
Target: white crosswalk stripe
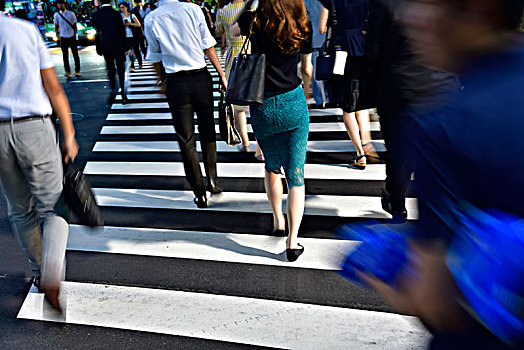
[(172, 146), (250, 293), (229, 318), (374, 172)]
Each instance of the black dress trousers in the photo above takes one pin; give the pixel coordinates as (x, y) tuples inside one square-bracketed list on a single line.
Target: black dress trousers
[(188, 93), (114, 63)]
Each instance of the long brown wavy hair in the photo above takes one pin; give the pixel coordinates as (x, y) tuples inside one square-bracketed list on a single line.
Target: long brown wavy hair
[(285, 23)]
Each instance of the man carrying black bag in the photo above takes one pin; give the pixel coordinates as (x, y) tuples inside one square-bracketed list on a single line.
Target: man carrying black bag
[(31, 165), (178, 38)]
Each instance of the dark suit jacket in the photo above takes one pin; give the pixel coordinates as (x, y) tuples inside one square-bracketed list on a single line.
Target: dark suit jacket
[(136, 12), (110, 32)]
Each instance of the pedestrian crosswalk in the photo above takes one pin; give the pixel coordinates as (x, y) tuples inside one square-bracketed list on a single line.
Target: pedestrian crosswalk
[(161, 265)]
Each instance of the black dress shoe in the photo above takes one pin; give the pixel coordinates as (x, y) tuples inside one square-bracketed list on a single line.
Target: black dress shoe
[(201, 201), (125, 100), (293, 254), (398, 215), (213, 187)]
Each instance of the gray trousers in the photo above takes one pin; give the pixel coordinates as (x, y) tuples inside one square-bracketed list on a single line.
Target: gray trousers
[(31, 180)]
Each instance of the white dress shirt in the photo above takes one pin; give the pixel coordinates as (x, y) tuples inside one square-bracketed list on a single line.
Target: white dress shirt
[(66, 31), (23, 54), (177, 35)]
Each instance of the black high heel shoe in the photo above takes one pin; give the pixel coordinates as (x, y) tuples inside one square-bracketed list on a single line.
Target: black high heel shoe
[(293, 254)]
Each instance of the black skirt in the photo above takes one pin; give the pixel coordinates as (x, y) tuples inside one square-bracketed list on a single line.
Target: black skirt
[(352, 91)]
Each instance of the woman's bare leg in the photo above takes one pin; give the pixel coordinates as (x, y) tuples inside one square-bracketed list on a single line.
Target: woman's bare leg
[(241, 125), (364, 125), (296, 200), (350, 121), (274, 191)]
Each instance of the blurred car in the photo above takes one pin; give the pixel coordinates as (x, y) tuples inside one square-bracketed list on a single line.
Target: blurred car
[(85, 34)]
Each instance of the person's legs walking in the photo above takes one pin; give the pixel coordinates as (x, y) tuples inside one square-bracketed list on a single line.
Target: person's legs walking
[(136, 50), (39, 162), (399, 163), (74, 50), (64, 45), (142, 41), (20, 203), (178, 96), (319, 90), (111, 72), (296, 200), (241, 125), (120, 60), (353, 131), (364, 125), (202, 102), (274, 191)]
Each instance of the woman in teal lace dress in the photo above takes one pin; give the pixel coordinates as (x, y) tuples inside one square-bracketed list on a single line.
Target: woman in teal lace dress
[(281, 124)]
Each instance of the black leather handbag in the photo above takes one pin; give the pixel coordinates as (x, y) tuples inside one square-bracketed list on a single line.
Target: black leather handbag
[(226, 122), (79, 197), (326, 59), (247, 78), (324, 66)]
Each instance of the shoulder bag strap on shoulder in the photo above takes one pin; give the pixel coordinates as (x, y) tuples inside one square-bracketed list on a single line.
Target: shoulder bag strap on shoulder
[(65, 19), (244, 45), (331, 34)]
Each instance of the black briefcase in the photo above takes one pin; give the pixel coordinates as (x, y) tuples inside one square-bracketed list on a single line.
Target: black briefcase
[(79, 197)]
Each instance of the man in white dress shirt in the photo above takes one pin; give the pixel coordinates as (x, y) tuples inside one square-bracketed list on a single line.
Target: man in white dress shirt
[(178, 38), (31, 168)]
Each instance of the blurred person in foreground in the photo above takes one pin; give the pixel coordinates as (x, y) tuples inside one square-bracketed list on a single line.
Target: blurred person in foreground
[(404, 90), (468, 152), (179, 40), (281, 123), (31, 166)]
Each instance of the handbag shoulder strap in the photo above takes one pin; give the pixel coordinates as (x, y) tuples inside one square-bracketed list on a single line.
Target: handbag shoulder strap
[(244, 45), (65, 19), (334, 14), (334, 23)]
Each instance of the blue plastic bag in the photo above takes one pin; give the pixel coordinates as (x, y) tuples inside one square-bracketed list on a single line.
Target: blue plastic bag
[(486, 259), (382, 253)]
